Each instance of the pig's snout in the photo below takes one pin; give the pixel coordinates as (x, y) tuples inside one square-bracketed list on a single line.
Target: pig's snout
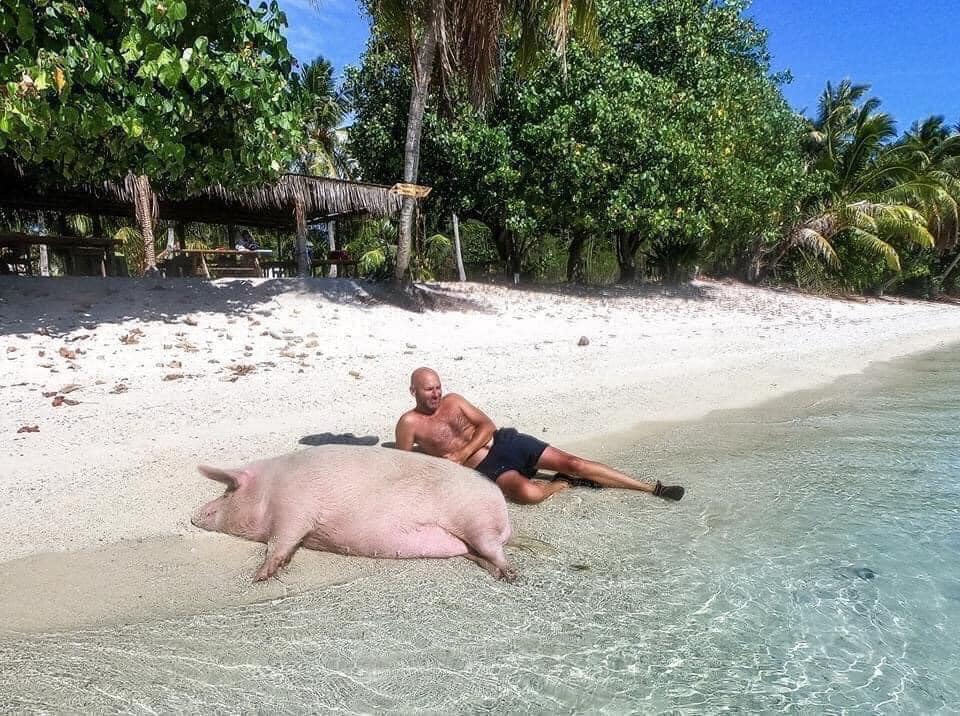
[(205, 518)]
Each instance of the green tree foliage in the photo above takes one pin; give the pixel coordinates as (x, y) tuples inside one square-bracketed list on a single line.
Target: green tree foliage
[(672, 136), (674, 139), (462, 39), (186, 93)]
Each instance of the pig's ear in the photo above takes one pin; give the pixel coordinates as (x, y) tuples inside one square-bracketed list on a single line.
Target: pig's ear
[(232, 478)]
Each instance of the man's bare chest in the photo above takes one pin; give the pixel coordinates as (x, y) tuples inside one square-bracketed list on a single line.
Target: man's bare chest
[(445, 429)]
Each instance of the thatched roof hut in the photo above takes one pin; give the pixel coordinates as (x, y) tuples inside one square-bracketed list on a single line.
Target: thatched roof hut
[(271, 206)]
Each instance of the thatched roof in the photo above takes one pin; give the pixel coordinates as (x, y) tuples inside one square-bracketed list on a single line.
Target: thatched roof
[(269, 206)]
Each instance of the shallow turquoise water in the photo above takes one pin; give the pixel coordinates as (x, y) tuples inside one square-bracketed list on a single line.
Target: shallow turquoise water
[(813, 567)]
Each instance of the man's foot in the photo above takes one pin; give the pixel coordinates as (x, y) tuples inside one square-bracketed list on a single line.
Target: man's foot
[(668, 492), (575, 481)]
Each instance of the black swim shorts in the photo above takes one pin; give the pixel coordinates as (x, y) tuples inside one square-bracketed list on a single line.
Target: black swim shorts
[(512, 451)]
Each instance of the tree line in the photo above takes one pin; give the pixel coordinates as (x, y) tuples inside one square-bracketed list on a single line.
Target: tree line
[(668, 146), (650, 138)]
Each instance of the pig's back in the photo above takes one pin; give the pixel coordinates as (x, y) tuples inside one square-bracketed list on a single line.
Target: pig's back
[(383, 474), (384, 502)]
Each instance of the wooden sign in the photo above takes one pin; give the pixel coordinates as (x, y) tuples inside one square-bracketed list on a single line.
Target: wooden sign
[(414, 190)]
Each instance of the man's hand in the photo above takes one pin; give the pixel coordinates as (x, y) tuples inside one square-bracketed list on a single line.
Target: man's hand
[(457, 456), (483, 430)]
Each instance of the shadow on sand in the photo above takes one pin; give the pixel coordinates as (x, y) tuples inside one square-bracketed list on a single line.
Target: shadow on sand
[(60, 305), (339, 439), (687, 291)]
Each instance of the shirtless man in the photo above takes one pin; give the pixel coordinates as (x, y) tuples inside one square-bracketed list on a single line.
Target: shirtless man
[(449, 426)]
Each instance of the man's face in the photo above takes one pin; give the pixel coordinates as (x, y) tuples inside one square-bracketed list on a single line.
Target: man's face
[(427, 392)]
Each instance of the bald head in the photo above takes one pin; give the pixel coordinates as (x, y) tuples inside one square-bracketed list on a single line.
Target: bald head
[(423, 374), (426, 390)]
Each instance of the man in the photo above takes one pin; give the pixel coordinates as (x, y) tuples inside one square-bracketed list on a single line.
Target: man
[(449, 426)]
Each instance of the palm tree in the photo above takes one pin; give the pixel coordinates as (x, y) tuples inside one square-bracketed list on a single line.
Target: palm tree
[(463, 38), (872, 193), (325, 106), (933, 151)]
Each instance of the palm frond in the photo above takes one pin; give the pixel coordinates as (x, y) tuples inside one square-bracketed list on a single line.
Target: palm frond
[(871, 130), (817, 243), (372, 261), (873, 244), (917, 234), (80, 224)]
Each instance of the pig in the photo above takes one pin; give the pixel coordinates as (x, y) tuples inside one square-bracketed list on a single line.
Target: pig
[(365, 501)]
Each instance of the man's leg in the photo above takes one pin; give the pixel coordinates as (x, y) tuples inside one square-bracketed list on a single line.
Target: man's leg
[(560, 461), (519, 488)]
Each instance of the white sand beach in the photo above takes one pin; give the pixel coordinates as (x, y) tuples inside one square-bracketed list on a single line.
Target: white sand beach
[(130, 383)]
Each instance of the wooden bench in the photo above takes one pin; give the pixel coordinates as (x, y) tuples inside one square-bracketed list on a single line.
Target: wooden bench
[(213, 263), (95, 247)]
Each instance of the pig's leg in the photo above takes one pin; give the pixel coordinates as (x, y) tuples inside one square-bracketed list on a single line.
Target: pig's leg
[(485, 563), (280, 548), (488, 553)]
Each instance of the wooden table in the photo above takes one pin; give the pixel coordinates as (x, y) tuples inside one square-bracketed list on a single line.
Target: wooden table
[(210, 262), (96, 246)]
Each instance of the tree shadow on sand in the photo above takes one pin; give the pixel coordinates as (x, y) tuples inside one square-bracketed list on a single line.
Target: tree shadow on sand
[(685, 291), (56, 306)]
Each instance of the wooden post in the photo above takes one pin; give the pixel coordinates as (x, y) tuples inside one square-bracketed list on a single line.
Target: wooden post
[(332, 245), (44, 260), (181, 231), (456, 247), (300, 219), (44, 256), (279, 270)]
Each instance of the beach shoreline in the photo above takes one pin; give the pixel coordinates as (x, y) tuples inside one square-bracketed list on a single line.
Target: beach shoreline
[(185, 575), (175, 373)]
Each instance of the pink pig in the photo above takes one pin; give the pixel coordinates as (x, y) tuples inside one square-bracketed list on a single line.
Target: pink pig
[(372, 502)]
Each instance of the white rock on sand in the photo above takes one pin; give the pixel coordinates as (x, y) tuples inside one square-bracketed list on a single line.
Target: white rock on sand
[(179, 372)]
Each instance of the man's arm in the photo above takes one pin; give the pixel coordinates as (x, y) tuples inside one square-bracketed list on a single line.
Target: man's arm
[(483, 430), (405, 432)]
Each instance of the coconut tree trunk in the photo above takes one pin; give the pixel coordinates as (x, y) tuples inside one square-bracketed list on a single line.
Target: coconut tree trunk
[(145, 208), (422, 70), (300, 221)]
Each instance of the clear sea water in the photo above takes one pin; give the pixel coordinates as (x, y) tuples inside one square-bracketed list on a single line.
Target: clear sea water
[(813, 567)]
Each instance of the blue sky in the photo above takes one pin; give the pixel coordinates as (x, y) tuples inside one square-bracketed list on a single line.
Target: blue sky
[(907, 51)]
